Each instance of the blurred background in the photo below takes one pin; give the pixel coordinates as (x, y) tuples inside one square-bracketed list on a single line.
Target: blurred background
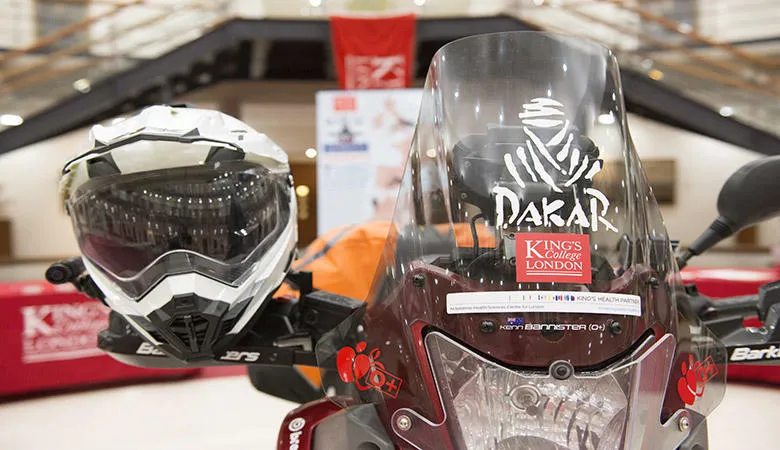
[(700, 79)]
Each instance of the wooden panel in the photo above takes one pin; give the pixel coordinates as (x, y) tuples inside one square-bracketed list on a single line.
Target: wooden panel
[(748, 237), (5, 238), (661, 174), (306, 175)]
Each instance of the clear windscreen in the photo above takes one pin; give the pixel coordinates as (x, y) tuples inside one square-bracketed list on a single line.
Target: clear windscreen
[(525, 234)]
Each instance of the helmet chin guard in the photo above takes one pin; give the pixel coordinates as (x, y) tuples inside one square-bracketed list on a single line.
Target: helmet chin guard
[(188, 326)]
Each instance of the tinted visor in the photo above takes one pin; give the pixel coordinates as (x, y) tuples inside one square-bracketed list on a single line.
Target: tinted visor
[(216, 219)]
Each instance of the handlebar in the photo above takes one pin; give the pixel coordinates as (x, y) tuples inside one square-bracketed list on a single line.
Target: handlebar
[(745, 305), (724, 318), (72, 270), (65, 271)]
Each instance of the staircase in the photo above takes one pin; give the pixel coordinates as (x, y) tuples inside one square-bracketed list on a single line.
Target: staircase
[(724, 54), (69, 63), (96, 39)]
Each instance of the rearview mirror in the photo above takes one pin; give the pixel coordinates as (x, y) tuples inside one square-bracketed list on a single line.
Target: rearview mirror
[(751, 195)]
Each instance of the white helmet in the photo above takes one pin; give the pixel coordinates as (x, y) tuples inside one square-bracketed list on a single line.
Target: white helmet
[(186, 220)]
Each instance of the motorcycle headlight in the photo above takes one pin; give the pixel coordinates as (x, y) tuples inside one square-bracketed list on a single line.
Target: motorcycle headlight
[(493, 407)]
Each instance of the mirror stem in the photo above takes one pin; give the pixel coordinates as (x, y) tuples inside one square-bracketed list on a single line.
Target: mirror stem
[(682, 260), (718, 230)]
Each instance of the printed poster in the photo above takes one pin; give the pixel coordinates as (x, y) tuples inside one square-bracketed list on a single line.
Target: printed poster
[(363, 139)]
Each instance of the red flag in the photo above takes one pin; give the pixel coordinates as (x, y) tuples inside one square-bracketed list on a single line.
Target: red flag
[(373, 53)]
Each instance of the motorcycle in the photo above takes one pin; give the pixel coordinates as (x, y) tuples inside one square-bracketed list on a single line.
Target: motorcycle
[(528, 296)]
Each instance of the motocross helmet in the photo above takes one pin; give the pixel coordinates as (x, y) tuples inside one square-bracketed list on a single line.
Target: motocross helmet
[(186, 222), (536, 308)]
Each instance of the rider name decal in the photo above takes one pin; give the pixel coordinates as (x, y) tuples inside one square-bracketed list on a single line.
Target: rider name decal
[(553, 257)]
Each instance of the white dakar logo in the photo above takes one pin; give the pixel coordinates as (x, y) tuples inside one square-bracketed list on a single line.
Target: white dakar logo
[(542, 113)]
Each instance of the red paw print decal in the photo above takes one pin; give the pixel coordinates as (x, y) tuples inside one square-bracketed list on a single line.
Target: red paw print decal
[(695, 375), (365, 370)]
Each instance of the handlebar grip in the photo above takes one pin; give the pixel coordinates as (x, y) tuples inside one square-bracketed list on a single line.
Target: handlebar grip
[(65, 271), (742, 305)]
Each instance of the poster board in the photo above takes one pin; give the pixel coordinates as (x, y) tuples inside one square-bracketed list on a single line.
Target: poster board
[(363, 139)]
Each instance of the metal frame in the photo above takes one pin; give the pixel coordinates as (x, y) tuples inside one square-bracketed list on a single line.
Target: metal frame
[(130, 89), (659, 102)]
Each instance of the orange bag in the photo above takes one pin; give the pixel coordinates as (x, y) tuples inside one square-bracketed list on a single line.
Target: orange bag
[(343, 261)]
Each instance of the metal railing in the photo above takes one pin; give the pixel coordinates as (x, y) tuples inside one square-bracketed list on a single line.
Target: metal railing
[(687, 44), (111, 37), (737, 79)]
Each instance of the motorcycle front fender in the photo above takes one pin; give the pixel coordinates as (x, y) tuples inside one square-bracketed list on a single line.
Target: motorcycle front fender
[(323, 424)]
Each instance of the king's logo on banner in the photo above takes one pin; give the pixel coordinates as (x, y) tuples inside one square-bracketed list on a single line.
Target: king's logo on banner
[(373, 53)]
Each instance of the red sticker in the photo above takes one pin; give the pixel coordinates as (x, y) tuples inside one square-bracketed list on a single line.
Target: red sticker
[(695, 376), (553, 257), (366, 371), (344, 103)]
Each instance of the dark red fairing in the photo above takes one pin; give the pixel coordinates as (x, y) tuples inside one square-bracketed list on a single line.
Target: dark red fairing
[(422, 305), (297, 430)]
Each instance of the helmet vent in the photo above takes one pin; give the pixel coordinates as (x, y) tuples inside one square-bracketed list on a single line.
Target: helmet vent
[(101, 166), (218, 154), (191, 329)]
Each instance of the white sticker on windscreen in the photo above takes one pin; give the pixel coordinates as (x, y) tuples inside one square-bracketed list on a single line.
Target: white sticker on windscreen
[(543, 301)]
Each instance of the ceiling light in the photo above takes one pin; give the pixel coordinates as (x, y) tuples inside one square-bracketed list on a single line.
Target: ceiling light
[(419, 2), (82, 85), (315, 3), (430, 153), (606, 119), (10, 120), (311, 153), (302, 190), (655, 74), (538, 2), (726, 111)]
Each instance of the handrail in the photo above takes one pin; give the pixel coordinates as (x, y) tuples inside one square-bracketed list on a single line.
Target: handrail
[(7, 87), (731, 81), (100, 2), (66, 31), (674, 27), (49, 75), (699, 73)]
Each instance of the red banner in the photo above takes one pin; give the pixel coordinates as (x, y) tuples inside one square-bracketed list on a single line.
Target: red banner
[(48, 340), (373, 53)]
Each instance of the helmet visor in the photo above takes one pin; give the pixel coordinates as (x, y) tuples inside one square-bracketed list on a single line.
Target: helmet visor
[(215, 219)]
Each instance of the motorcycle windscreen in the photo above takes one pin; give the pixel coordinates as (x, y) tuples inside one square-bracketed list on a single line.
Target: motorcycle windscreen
[(525, 238)]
